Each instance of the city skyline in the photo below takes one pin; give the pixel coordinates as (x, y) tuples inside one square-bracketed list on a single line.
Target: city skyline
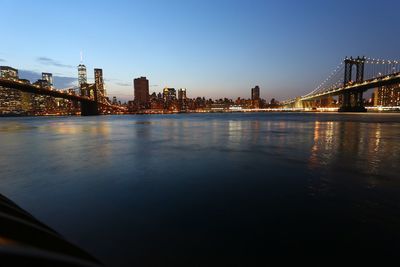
[(215, 51)]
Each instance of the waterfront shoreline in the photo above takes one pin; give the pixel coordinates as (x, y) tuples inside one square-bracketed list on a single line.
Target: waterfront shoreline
[(207, 112)]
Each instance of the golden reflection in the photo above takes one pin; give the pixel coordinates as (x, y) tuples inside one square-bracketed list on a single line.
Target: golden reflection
[(6, 242), (70, 128), (378, 136), (324, 147), (103, 129), (329, 135), (376, 152), (355, 147), (63, 128), (313, 161), (72, 136), (235, 131), (322, 156)]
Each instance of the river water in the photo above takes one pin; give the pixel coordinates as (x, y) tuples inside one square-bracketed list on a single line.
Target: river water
[(209, 189)]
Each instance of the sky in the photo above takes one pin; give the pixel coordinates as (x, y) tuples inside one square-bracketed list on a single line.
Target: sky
[(215, 49)]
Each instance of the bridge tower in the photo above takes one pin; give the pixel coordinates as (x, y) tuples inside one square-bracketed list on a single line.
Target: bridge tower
[(352, 100), (90, 107)]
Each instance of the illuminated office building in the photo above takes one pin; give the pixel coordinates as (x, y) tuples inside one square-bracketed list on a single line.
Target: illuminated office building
[(11, 100), (49, 78), (98, 80), (182, 99), (8, 73), (182, 94), (387, 96), (169, 94), (82, 75)]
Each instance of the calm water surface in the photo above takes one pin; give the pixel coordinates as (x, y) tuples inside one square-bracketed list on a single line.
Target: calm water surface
[(212, 189)]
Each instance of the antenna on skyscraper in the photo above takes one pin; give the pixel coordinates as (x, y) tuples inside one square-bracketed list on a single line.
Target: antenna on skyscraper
[(81, 56)]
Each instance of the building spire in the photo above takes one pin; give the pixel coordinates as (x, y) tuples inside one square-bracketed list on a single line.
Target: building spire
[(81, 57)]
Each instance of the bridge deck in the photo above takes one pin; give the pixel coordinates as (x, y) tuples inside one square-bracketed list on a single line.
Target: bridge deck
[(30, 88), (367, 84)]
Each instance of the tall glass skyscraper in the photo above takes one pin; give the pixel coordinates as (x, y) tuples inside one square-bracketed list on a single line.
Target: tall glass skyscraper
[(82, 75)]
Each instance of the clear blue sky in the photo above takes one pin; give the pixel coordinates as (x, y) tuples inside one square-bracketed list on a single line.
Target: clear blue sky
[(215, 49)]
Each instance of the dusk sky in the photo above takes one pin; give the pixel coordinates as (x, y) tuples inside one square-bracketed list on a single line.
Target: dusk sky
[(213, 48)]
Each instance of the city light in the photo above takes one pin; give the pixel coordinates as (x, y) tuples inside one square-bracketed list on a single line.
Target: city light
[(41, 98)]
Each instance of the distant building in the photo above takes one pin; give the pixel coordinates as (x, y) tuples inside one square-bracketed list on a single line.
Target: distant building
[(141, 91), (12, 101), (49, 78), (387, 96), (182, 99), (42, 83), (325, 102), (255, 97), (82, 75), (8, 73), (169, 94), (99, 81), (219, 106), (153, 96), (255, 93), (182, 94)]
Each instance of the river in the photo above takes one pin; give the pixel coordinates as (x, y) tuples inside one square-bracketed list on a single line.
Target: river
[(208, 189)]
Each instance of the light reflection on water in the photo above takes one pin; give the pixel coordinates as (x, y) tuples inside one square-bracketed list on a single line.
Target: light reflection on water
[(173, 185)]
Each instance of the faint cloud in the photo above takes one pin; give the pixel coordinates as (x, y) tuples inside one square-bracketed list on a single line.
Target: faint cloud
[(123, 84), (110, 80), (52, 62), (60, 82), (2, 60)]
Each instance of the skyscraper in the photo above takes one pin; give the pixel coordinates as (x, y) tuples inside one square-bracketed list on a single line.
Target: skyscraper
[(141, 90), (114, 101), (387, 96), (255, 93), (98, 80), (182, 94), (49, 78), (169, 94), (82, 75), (8, 73), (182, 99), (10, 99)]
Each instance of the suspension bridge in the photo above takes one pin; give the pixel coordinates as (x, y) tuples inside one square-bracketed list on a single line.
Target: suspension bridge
[(92, 101), (349, 80)]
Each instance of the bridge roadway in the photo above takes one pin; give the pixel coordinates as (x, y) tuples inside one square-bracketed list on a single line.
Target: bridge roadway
[(363, 86), (30, 88), (88, 106)]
